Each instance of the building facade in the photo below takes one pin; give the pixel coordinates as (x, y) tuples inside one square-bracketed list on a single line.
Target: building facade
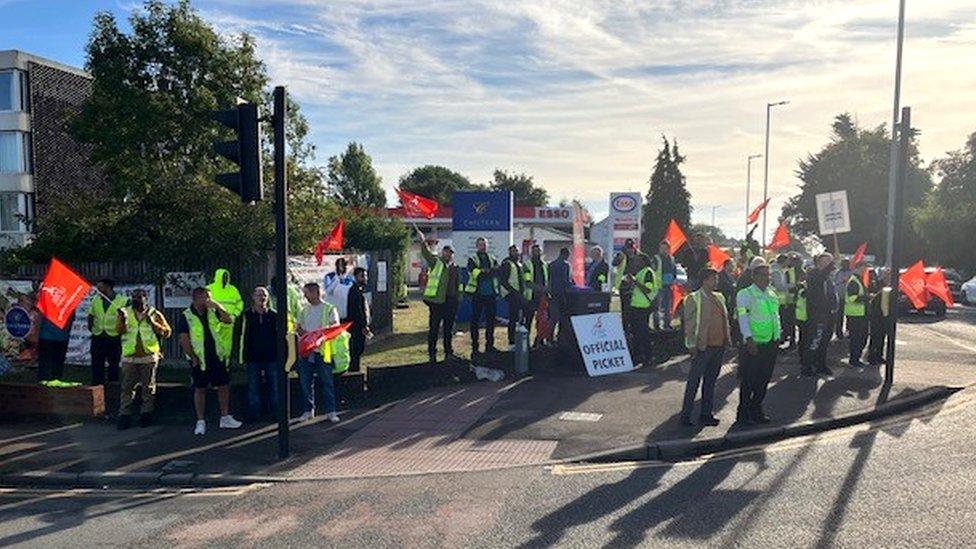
[(39, 161)]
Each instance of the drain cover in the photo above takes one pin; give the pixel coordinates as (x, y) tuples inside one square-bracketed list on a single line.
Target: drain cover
[(580, 416)]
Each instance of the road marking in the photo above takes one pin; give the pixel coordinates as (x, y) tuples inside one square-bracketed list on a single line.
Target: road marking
[(580, 416), (949, 339), (35, 495), (40, 433)]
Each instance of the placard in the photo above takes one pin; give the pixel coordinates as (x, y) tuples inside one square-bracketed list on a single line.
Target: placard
[(381, 276), (602, 343), (833, 214), (178, 288)]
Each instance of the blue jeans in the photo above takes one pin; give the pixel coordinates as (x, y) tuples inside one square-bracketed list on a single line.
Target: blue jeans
[(705, 366), (255, 370), (662, 311), (309, 367)]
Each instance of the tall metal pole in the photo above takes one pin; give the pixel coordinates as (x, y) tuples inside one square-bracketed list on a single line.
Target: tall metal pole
[(713, 214), (281, 265), (748, 185), (769, 107), (904, 143), (893, 156)]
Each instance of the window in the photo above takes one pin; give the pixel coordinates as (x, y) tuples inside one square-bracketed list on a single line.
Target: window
[(14, 152), (13, 91), (10, 212)]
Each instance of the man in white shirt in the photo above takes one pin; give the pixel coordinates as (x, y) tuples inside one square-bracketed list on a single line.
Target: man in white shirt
[(336, 286), (317, 314)]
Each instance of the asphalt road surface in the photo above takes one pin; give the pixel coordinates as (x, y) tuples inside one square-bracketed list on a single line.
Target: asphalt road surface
[(906, 482)]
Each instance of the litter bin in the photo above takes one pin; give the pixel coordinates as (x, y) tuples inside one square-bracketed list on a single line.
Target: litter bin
[(579, 301)]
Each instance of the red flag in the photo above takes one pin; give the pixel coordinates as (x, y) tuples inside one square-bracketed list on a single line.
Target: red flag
[(781, 238), (310, 341), (859, 254), (678, 292), (417, 206), (543, 329), (334, 241), (754, 215), (60, 293), (866, 278), (717, 257), (912, 284), (675, 237), (936, 284)]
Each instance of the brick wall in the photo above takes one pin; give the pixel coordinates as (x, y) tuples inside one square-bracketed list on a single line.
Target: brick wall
[(61, 168)]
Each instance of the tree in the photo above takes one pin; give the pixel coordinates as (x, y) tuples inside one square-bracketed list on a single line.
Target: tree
[(353, 182), (856, 160), (667, 198), (945, 220), (436, 182), (523, 188)]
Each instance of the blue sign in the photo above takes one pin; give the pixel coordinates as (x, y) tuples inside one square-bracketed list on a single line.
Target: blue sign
[(18, 322), (482, 211)]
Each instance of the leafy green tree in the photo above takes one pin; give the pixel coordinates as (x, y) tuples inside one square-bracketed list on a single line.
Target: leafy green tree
[(667, 198), (946, 219), (436, 182), (353, 182), (856, 160), (524, 190)]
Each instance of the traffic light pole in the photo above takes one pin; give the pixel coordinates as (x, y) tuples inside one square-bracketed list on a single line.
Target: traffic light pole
[(905, 139), (281, 266)]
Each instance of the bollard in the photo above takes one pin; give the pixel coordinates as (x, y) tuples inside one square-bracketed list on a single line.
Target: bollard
[(521, 350)]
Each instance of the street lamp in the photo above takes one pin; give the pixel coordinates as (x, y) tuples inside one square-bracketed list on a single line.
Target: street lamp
[(713, 214), (748, 184), (769, 107)]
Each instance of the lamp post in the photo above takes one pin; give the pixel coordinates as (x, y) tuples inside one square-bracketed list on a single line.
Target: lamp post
[(769, 107), (748, 184), (893, 153), (713, 214)]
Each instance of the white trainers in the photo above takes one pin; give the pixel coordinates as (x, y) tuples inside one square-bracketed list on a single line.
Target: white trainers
[(306, 416), (333, 417), (228, 422), (201, 428)]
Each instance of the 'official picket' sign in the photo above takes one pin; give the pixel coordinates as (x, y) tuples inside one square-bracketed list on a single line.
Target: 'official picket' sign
[(602, 343)]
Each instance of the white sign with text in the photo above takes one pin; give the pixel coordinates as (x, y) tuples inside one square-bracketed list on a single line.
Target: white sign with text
[(833, 214), (602, 343)]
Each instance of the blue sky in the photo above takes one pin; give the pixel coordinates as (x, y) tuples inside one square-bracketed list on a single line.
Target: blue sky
[(578, 93)]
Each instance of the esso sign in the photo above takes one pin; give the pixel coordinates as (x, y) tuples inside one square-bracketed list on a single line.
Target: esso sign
[(554, 213), (624, 204)]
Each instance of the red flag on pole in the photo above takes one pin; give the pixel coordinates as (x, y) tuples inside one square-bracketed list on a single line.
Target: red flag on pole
[(754, 215), (334, 241), (417, 206), (310, 341), (936, 284), (60, 293), (912, 284), (717, 257), (859, 254), (678, 292), (781, 238), (675, 236)]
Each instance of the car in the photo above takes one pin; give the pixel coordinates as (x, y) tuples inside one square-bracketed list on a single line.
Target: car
[(969, 291), (954, 280)]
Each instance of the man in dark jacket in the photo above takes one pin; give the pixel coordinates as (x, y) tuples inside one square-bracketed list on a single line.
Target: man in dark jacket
[(255, 348), (559, 284), (359, 315), (821, 310), (694, 257), (598, 273)]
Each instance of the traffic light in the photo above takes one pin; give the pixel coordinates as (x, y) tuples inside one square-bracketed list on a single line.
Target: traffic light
[(245, 151)]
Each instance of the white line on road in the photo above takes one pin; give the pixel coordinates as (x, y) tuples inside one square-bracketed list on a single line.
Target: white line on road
[(949, 339)]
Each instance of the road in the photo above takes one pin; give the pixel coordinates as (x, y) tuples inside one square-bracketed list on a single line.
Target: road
[(906, 482)]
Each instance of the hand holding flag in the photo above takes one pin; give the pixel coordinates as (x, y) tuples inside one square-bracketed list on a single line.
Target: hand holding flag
[(311, 341)]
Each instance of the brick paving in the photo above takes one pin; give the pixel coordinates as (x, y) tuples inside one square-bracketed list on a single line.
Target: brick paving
[(422, 435)]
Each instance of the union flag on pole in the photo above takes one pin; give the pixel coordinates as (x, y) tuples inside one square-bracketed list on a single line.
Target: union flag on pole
[(781, 238), (334, 241), (60, 293), (675, 236), (859, 254), (754, 215), (310, 341), (717, 257), (417, 206)]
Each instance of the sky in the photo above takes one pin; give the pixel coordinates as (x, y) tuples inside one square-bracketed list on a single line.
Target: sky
[(579, 93)]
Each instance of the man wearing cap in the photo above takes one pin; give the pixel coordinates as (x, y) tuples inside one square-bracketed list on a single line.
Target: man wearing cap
[(707, 336), (758, 309), (441, 295), (822, 308)]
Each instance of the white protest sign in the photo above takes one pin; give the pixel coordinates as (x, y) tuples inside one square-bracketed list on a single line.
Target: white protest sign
[(833, 214), (602, 343), (178, 288)]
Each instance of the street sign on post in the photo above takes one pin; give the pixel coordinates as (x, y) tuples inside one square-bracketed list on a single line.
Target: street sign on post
[(833, 214)]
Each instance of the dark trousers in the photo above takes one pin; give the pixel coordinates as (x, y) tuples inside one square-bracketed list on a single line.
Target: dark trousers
[(705, 366), (640, 346), (482, 305), (50, 359), (258, 372), (839, 322), (819, 340), (357, 346), (105, 349), (557, 315), (625, 315), (858, 328), (441, 314), (755, 372), (879, 331), (515, 305), (529, 312), (787, 321), (804, 344)]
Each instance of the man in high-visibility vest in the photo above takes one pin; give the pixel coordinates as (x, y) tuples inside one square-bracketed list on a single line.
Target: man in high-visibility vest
[(482, 286), (512, 288), (200, 327), (665, 273), (441, 294), (335, 353), (229, 298), (878, 319), (855, 310), (707, 335), (625, 266), (536, 283), (758, 310), (642, 299), (106, 345), (800, 313), (141, 328)]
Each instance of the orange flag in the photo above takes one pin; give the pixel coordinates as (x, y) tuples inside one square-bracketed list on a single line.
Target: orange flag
[(912, 284), (717, 257), (60, 293), (675, 236), (678, 292), (311, 341), (781, 239), (754, 216), (936, 284), (334, 241), (859, 254)]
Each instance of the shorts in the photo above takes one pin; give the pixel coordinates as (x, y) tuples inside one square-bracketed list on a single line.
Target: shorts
[(216, 375)]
